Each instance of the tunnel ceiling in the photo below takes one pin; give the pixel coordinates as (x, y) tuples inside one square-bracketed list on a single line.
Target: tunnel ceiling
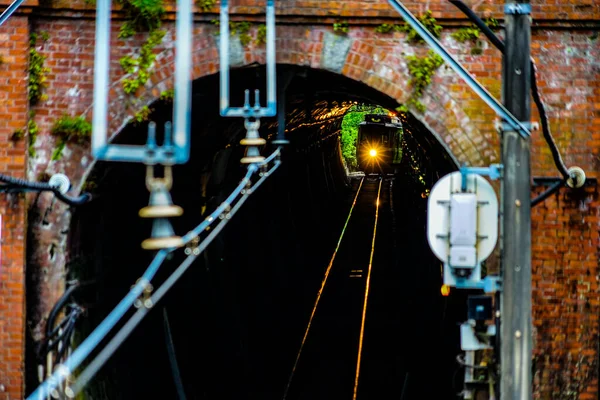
[(316, 102)]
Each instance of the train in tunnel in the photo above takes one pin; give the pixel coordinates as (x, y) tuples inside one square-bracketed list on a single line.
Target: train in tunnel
[(379, 144)]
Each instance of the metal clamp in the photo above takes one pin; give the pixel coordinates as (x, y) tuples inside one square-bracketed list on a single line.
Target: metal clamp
[(517, 8), (145, 299), (257, 111)]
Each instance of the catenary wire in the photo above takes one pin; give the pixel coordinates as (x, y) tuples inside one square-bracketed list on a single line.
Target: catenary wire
[(130, 325), (94, 339)]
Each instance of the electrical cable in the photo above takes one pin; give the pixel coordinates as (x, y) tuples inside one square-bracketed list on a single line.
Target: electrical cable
[(558, 161), (89, 372), (92, 341), (320, 292), (58, 307), (367, 287), (45, 187)]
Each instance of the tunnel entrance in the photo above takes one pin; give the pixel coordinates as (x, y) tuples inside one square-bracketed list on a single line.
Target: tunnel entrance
[(239, 315)]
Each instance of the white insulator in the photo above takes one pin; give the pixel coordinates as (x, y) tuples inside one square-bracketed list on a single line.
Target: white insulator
[(576, 177), (61, 182)]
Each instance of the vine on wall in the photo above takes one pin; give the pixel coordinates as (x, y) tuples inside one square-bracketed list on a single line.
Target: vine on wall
[(69, 129), (420, 68)]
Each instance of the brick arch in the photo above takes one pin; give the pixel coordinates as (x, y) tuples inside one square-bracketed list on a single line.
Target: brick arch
[(369, 58)]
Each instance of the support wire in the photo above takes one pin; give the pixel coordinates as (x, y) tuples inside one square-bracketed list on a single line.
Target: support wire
[(89, 372), (94, 339)]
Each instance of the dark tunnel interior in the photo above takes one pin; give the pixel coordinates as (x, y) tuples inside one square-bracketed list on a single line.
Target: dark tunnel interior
[(239, 314)]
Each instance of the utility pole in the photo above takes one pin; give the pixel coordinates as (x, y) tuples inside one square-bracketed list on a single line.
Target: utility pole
[(515, 322)]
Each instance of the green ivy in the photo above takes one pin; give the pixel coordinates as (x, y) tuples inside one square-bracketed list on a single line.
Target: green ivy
[(341, 27), (428, 22), (206, 5), (69, 129), (37, 70), (167, 95), (421, 69), (142, 115), (385, 28), (139, 67), (142, 15), (33, 130), (471, 33), (261, 35), (466, 34), (241, 29)]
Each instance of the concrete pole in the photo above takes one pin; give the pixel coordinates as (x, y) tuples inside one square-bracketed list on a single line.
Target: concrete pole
[(515, 325)]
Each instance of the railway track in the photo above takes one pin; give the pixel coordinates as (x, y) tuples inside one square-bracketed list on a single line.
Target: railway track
[(332, 352)]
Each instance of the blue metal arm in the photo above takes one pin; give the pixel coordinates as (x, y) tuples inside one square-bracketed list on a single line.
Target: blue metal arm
[(248, 111), (514, 123), (10, 10), (179, 152)]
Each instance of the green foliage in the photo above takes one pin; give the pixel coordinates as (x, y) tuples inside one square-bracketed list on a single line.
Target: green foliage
[(428, 22), (37, 70), (421, 70), (72, 129), (261, 35), (341, 27), (142, 115), (206, 5), (142, 15), (241, 29), (349, 134), (470, 33), (139, 67), (69, 129), (385, 28), (167, 95), (33, 131)]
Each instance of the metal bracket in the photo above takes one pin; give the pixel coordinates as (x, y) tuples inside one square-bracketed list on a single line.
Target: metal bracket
[(179, 152), (517, 8), (489, 284), (494, 172), (247, 111)]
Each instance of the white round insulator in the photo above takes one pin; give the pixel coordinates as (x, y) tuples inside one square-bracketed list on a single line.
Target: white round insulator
[(576, 177), (61, 182)]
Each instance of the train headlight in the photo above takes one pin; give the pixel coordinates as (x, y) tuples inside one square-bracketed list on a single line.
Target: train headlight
[(373, 153)]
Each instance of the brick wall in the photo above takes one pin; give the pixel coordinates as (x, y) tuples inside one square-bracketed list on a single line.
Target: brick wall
[(14, 37), (565, 228)]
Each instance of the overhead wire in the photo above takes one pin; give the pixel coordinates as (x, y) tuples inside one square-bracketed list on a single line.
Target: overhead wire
[(320, 292), (130, 325), (367, 287), (94, 339)]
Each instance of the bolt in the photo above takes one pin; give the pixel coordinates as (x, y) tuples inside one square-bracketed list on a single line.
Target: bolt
[(498, 314), (518, 203), (518, 334), (517, 268), (518, 71)]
